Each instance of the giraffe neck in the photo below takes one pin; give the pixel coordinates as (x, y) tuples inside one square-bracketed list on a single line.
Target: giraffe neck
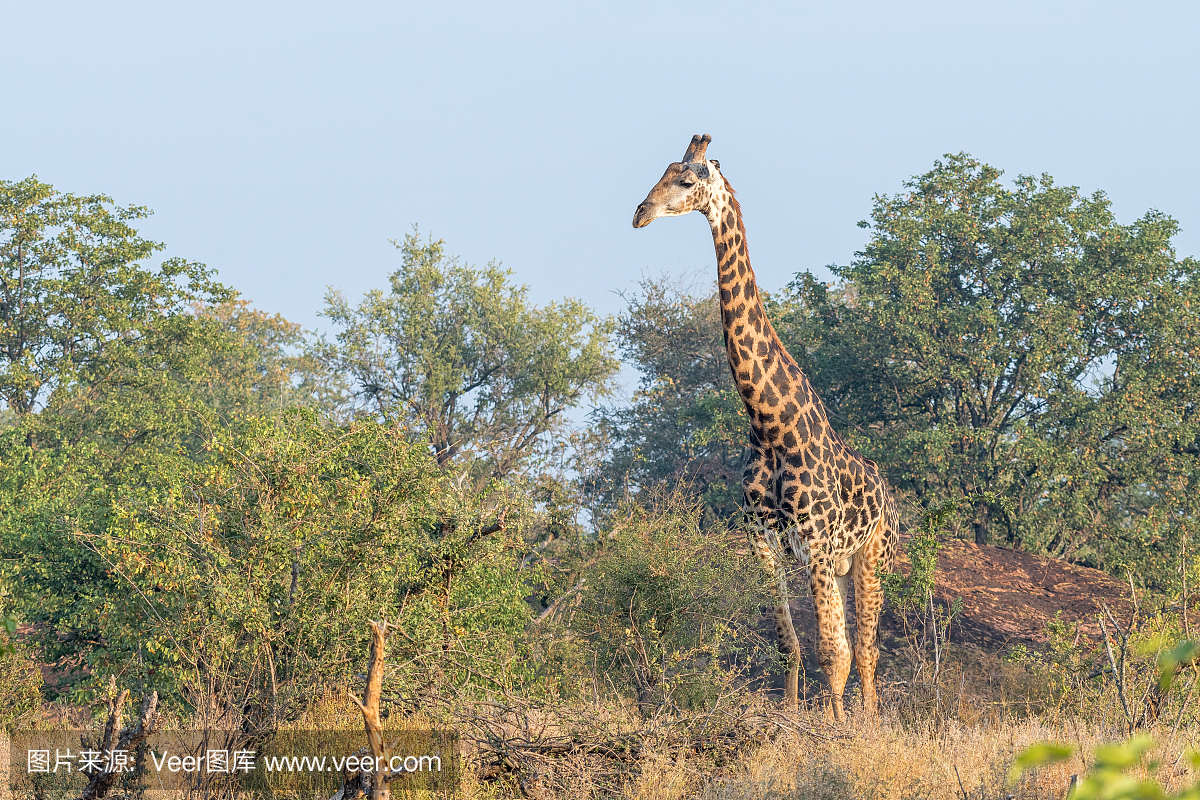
[(763, 370)]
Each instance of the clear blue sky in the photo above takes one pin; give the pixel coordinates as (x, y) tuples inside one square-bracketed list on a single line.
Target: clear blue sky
[(284, 144)]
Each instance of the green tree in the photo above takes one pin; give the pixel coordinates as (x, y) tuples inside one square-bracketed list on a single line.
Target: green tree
[(107, 367), (460, 355), (1019, 343), (159, 394), (63, 469), (686, 422), (75, 294), (246, 365)]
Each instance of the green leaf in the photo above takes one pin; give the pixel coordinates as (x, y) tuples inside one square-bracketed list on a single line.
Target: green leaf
[(1125, 755), (1039, 755), (1169, 662)]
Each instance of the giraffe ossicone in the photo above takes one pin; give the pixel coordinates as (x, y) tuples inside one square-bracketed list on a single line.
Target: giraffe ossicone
[(809, 496)]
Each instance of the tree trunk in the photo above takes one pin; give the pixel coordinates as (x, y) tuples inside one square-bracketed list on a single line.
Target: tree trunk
[(981, 522)]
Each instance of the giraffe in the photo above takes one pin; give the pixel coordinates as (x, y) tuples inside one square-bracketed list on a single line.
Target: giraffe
[(809, 496)]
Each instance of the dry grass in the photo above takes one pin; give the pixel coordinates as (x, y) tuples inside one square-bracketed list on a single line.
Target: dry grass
[(805, 758), (776, 756), (958, 742), (883, 759)]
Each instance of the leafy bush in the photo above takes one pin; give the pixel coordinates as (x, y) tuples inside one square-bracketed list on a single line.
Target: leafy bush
[(253, 569), (669, 605), (20, 678), (1110, 778), (1091, 679), (925, 623)]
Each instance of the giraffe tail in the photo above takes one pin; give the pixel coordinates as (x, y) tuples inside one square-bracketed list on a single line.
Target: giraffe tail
[(890, 533)]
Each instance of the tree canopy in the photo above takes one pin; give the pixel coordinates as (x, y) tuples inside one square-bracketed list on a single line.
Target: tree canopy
[(461, 356), (685, 422), (1017, 341), (76, 293)]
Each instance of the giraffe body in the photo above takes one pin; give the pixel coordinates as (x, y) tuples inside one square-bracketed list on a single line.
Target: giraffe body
[(809, 496)]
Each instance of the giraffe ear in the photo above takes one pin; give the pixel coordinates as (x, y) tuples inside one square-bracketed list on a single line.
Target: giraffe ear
[(695, 150)]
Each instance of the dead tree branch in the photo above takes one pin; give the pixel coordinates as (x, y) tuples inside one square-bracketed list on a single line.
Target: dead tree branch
[(129, 739), (372, 783)]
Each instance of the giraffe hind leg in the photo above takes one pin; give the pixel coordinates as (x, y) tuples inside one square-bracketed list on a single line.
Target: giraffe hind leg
[(868, 605), (843, 581)]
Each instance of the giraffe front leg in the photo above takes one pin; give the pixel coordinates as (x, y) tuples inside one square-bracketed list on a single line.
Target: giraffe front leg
[(770, 554), (786, 631), (761, 514)]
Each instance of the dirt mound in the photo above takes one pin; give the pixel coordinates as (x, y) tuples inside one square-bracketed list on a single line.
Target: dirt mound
[(1007, 598)]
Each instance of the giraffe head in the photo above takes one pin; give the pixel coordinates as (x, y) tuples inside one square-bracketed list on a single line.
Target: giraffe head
[(686, 186)]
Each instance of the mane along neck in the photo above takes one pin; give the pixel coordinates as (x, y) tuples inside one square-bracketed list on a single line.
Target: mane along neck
[(741, 305), (762, 367)]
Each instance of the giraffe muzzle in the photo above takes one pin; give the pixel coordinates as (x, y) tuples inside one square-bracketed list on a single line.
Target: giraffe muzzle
[(643, 216)]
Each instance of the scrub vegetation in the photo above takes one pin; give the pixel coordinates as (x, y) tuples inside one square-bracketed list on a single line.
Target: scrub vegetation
[(202, 502)]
